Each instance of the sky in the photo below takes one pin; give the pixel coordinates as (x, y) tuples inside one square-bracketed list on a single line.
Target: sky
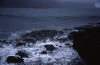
[(50, 3)]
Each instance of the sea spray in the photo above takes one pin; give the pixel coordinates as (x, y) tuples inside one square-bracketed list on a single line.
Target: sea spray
[(62, 51)]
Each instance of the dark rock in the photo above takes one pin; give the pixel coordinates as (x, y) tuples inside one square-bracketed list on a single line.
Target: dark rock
[(51, 52), (0, 46), (62, 40), (98, 23), (84, 27), (49, 47), (13, 59), (41, 35), (5, 41), (87, 43), (29, 40), (60, 46), (43, 52), (20, 44), (22, 54)]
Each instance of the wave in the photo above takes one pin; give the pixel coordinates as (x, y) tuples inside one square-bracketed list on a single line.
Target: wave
[(55, 16), (12, 15), (78, 17), (39, 47)]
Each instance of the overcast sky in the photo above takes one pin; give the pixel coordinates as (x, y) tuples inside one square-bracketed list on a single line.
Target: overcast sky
[(49, 3)]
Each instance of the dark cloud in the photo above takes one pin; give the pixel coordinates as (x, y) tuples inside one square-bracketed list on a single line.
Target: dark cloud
[(27, 3), (49, 3)]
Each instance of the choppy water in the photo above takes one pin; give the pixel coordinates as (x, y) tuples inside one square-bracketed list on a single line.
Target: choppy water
[(18, 19), (15, 22)]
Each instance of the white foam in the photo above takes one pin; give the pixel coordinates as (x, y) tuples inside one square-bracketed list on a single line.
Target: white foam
[(63, 55), (7, 51)]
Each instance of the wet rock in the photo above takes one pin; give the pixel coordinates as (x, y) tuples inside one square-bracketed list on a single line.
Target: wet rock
[(0, 46), (87, 43), (60, 46), (5, 41), (49, 47), (13, 59), (84, 27), (29, 40), (43, 52), (62, 40), (41, 35), (20, 44), (22, 54)]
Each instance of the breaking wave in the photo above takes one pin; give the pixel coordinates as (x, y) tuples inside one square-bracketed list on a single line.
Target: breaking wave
[(44, 47)]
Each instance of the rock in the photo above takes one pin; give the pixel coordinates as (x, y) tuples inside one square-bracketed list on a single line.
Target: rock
[(13, 59), (41, 35), (29, 40), (0, 46), (62, 40), (60, 46), (98, 23), (49, 47), (43, 52), (5, 41), (22, 54), (20, 44), (87, 43)]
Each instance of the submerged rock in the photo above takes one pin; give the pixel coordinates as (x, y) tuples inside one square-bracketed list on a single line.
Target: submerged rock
[(22, 54), (87, 43), (43, 52), (13, 59), (49, 47)]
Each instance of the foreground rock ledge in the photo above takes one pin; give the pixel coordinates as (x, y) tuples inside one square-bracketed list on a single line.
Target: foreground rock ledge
[(87, 43)]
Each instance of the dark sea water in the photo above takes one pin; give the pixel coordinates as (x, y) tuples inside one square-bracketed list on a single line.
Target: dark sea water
[(17, 21), (20, 19)]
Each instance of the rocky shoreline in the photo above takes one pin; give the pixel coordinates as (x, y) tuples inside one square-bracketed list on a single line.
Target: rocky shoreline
[(48, 46), (87, 42)]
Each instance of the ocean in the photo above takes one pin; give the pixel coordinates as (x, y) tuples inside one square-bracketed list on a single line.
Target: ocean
[(20, 19), (15, 22)]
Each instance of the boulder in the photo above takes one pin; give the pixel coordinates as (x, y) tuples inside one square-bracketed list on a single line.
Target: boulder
[(13, 59), (49, 47), (22, 54), (20, 44), (87, 43)]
